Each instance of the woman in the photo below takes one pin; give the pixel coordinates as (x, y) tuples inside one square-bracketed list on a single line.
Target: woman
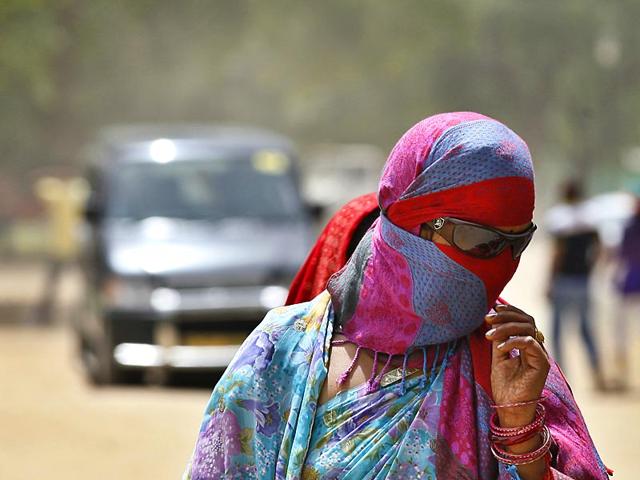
[(392, 373), (575, 252)]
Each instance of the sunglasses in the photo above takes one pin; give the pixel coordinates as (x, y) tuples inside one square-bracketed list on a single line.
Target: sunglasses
[(477, 240)]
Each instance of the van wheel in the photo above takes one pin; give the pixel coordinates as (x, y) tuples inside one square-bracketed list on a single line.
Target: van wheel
[(100, 367)]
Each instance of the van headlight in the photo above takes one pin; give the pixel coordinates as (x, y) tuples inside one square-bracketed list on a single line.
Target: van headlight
[(165, 299), (273, 296), (127, 293)]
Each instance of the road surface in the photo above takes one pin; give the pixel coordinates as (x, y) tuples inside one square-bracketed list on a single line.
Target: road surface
[(54, 426)]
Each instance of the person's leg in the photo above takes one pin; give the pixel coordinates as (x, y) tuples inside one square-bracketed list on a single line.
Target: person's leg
[(621, 341), (43, 312), (586, 332), (558, 307)]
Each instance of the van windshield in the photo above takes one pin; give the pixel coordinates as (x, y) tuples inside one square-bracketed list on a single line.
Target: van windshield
[(203, 189)]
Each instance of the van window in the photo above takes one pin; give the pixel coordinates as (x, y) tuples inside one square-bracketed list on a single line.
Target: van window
[(202, 189)]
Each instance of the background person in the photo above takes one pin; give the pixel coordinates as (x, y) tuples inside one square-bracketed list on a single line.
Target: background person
[(628, 284), (575, 251), (63, 200)]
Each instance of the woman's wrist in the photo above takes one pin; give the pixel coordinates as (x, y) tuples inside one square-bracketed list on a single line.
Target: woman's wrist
[(516, 416), (520, 417)]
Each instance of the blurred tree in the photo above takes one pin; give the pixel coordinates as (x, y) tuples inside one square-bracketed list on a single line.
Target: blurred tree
[(563, 74)]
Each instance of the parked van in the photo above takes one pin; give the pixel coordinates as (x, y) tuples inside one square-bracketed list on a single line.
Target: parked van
[(194, 234)]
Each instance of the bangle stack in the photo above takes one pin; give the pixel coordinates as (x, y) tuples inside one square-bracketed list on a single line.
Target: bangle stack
[(504, 437)]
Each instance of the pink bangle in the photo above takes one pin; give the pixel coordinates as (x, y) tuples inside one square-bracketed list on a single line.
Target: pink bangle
[(510, 432), (509, 458), (518, 404)]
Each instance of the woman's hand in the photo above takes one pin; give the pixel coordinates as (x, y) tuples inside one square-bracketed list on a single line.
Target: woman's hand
[(520, 378), (517, 379)]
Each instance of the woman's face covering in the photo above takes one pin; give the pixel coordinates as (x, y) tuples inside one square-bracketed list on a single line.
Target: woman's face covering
[(400, 291)]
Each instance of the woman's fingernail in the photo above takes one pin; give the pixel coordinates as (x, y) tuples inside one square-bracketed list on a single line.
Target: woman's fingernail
[(500, 306), (501, 346), (490, 315), (490, 332)]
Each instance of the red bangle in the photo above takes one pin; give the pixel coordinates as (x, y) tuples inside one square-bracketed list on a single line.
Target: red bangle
[(509, 458), (509, 441), (511, 432)]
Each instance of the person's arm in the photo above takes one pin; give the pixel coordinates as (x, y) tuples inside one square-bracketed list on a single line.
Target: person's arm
[(519, 417), (518, 379), (626, 246), (599, 254)]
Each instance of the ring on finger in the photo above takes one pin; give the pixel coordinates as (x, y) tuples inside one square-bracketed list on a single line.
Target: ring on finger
[(538, 335)]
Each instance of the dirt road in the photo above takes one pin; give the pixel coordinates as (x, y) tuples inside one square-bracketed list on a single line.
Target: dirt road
[(54, 426)]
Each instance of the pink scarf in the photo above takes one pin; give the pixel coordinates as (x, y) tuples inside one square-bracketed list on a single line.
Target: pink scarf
[(399, 292)]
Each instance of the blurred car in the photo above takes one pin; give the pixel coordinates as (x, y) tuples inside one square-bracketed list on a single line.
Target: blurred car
[(194, 233)]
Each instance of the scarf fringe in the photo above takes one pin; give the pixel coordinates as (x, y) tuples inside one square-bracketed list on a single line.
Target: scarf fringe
[(375, 379), (345, 375), (423, 380), (371, 383), (375, 385), (404, 372)]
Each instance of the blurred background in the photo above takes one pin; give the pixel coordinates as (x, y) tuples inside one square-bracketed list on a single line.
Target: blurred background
[(166, 166)]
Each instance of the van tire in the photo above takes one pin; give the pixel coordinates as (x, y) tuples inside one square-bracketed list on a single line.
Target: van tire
[(99, 365)]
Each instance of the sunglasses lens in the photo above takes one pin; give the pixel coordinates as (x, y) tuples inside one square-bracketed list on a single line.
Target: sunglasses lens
[(520, 245), (477, 241)]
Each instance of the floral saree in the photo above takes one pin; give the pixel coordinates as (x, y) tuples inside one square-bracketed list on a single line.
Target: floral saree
[(263, 420)]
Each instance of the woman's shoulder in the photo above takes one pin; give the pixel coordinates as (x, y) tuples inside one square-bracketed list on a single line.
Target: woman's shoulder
[(288, 315), (272, 360), (271, 372), (273, 347)]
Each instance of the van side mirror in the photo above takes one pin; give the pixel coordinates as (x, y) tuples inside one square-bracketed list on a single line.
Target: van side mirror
[(93, 210), (315, 210)]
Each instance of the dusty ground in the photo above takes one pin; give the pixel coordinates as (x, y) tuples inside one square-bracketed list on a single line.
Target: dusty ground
[(54, 426)]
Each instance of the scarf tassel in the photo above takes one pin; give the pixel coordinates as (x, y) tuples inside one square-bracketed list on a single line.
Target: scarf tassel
[(404, 373), (373, 383), (345, 375)]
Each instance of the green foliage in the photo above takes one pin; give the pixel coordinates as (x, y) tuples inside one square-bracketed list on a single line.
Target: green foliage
[(338, 70)]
